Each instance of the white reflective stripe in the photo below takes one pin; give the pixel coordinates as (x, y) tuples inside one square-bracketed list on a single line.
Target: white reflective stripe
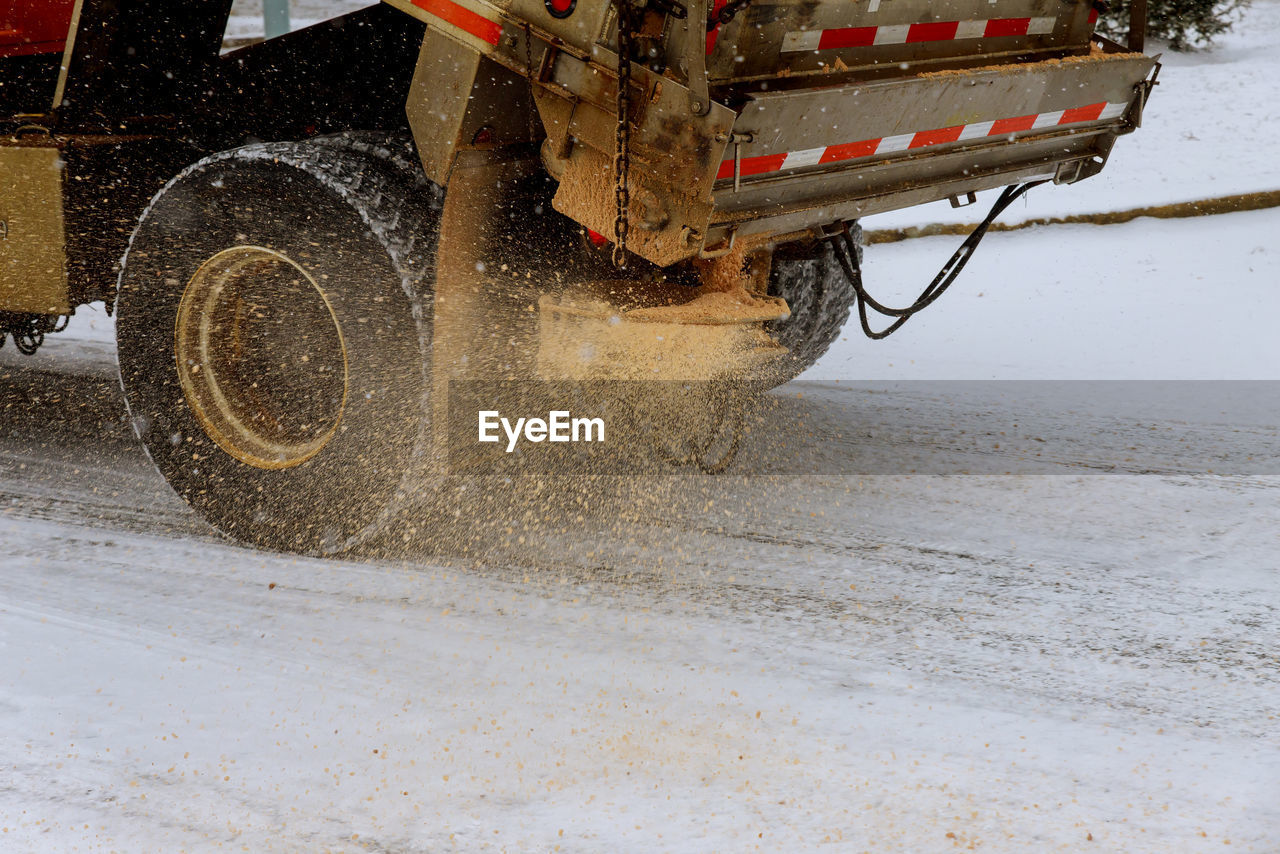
[(1041, 26), (803, 40), (971, 30), (1047, 120), (896, 34), (977, 131), (808, 157), (1113, 111), (895, 143)]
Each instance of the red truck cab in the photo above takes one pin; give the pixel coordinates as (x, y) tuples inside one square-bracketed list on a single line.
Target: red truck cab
[(30, 27)]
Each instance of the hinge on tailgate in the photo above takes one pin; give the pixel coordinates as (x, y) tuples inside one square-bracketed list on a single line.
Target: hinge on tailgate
[(1144, 91)]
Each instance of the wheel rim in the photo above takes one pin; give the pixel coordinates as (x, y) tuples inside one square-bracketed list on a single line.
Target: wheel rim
[(261, 357)]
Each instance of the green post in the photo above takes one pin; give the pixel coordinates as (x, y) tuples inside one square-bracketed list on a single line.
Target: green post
[(275, 17)]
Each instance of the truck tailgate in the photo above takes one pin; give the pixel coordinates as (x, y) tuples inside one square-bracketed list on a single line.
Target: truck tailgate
[(870, 147)]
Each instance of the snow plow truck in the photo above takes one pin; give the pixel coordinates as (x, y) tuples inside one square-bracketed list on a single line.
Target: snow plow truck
[(307, 241)]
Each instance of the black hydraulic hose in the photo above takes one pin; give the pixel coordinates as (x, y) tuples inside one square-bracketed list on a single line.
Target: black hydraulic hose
[(847, 254)]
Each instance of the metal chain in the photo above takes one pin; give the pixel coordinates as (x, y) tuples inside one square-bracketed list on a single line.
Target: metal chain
[(530, 74), (622, 135), (528, 52)]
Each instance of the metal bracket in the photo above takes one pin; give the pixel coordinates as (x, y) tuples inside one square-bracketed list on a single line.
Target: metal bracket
[(1069, 172), (33, 130), (737, 140), (722, 250), (695, 57), (1144, 93)]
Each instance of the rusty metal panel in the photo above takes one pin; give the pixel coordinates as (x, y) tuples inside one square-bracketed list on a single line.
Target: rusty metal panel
[(666, 225), (33, 275), (666, 136), (675, 154), (802, 37)]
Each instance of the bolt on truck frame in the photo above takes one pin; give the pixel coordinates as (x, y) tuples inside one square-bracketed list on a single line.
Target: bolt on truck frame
[(308, 239)]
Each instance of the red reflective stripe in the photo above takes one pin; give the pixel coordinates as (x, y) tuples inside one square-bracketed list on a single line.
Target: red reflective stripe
[(936, 137), (758, 165), (1021, 123), (464, 19), (753, 165), (1091, 113), (934, 32), (850, 150), (1093, 17), (1007, 27), (847, 37)]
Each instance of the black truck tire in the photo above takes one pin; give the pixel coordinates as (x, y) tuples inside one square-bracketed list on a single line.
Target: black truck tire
[(274, 330), (808, 276)]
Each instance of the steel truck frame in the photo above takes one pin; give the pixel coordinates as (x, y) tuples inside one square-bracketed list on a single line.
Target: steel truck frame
[(311, 239)]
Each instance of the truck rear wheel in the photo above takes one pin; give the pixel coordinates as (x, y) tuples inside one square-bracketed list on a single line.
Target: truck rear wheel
[(810, 279), (273, 333)]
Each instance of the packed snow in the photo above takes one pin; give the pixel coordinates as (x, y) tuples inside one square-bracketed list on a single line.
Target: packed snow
[(1186, 299)]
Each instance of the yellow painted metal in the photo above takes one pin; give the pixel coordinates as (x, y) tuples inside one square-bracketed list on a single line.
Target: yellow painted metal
[(257, 363), (33, 273), (584, 338), (439, 99)]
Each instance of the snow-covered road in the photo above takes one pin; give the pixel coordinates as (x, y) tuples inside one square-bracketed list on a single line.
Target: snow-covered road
[(783, 663), (876, 662)]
